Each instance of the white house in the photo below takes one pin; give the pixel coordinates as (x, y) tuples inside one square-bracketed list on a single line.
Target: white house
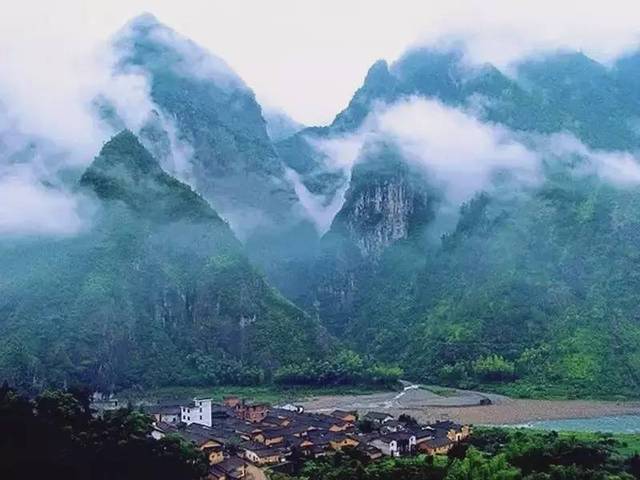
[(198, 411), (164, 413), (395, 444)]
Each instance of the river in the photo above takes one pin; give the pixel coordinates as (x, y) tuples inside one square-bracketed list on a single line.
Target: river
[(610, 424)]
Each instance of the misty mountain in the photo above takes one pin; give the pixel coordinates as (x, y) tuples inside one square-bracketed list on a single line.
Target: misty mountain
[(387, 203), (279, 124), (557, 92), (158, 291), (208, 119), (469, 225), (206, 127), (526, 287)]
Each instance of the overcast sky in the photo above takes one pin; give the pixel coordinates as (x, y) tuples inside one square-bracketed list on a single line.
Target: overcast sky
[(306, 57)]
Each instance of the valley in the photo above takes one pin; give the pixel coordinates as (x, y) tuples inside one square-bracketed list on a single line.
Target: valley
[(453, 224), (320, 240)]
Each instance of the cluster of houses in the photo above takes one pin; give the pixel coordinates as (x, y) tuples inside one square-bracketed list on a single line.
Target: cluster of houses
[(241, 438)]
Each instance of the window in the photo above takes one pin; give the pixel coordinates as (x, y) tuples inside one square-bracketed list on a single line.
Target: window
[(200, 417)]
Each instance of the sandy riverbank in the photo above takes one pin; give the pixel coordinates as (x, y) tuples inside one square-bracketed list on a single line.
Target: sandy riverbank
[(463, 407)]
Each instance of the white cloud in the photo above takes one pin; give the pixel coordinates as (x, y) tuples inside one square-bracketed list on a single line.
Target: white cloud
[(462, 155), (319, 208), (339, 152), (459, 152), (309, 57), (29, 208), (619, 168)]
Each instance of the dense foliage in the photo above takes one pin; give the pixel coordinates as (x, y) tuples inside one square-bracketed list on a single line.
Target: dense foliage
[(344, 368), (493, 454), (56, 436), (157, 292), (534, 291)]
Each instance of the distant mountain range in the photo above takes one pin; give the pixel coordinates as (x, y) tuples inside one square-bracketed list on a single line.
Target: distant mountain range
[(528, 287)]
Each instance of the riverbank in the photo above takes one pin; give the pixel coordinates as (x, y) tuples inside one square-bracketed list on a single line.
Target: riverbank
[(464, 406)]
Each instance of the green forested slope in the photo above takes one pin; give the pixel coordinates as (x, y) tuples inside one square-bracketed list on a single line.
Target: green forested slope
[(534, 293), (157, 291)]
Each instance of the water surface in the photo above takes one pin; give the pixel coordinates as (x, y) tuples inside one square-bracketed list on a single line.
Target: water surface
[(611, 424)]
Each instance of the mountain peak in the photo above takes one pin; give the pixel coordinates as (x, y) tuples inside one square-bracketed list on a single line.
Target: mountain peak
[(145, 19), (378, 71), (125, 150), (126, 171), (146, 42)]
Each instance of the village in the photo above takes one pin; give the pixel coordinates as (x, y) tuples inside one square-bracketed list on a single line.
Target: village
[(245, 440)]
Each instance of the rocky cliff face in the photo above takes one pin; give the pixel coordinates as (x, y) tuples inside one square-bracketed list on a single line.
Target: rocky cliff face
[(387, 204), (381, 215)]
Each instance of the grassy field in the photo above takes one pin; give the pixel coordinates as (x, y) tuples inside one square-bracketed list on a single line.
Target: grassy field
[(268, 393), (626, 444), (520, 389)]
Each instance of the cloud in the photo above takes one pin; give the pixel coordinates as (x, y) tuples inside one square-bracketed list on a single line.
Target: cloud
[(30, 208), (459, 153), (619, 168), (462, 155), (501, 31), (321, 209), (48, 134), (51, 128), (338, 152)]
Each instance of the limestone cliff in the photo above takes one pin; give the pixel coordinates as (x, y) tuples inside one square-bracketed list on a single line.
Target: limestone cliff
[(387, 204)]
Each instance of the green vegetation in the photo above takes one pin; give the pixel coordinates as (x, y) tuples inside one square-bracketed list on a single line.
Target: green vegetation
[(492, 454), (270, 393), (345, 368), (158, 292), (56, 436), (533, 292)]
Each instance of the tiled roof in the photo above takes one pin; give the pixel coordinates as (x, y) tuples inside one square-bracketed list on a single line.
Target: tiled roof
[(377, 415)]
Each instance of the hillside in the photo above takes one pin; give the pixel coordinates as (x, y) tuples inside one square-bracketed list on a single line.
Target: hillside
[(533, 290), (205, 112), (157, 292)]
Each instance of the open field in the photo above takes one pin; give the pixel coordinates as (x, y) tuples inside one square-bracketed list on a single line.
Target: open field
[(269, 393)]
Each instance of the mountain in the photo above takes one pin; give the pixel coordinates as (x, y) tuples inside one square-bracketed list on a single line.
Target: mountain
[(387, 202), (526, 293), (207, 129), (279, 124), (157, 291), (204, 109)]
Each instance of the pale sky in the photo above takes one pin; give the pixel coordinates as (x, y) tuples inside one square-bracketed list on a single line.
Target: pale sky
[(306, 57)]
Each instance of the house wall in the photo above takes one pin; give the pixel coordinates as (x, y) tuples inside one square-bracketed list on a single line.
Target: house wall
[(215, 457), (273, 441), (348, 442), (390, 449), (200, 413)]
